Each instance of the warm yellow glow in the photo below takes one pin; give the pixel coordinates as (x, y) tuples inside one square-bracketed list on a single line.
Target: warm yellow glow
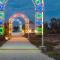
[(36, 31), (23, 31), (10, 25), (6, 38), (9, 31), (30, 31)]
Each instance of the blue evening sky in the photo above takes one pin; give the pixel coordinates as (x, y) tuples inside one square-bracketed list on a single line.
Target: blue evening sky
[(22, 6), (51, 9)]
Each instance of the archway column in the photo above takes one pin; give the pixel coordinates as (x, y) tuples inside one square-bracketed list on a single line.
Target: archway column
[(27, 25)]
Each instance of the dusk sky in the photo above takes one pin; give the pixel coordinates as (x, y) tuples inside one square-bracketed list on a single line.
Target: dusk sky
[(22, 6), (51, 8)]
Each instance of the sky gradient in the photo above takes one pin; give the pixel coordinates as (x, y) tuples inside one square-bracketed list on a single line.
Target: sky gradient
[(26, 7), (51, 9)]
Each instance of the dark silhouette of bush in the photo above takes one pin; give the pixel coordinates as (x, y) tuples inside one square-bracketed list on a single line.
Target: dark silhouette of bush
[(2, 40)]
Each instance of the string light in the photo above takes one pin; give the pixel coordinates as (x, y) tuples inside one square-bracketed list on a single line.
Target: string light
[(39, 5)]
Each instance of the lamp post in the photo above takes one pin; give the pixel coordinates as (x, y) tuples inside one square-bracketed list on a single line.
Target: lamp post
[(39, 11)]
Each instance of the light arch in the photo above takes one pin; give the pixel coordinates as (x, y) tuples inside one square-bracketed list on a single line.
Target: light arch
[(11, 19)]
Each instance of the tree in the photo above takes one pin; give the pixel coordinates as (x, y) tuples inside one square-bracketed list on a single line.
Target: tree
[(53, 25), (46, 29)]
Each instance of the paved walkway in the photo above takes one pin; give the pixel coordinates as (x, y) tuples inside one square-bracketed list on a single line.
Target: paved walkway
[(21, 50), (23, 55), (18, 43)]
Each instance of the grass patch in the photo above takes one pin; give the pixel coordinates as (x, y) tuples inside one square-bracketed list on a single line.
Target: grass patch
[(54, 54)]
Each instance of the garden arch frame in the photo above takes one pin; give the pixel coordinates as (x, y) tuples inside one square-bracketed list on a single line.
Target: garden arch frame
[(11, 20)]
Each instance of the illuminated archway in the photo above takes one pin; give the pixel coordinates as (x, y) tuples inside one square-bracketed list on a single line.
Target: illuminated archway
[(11, 20)]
